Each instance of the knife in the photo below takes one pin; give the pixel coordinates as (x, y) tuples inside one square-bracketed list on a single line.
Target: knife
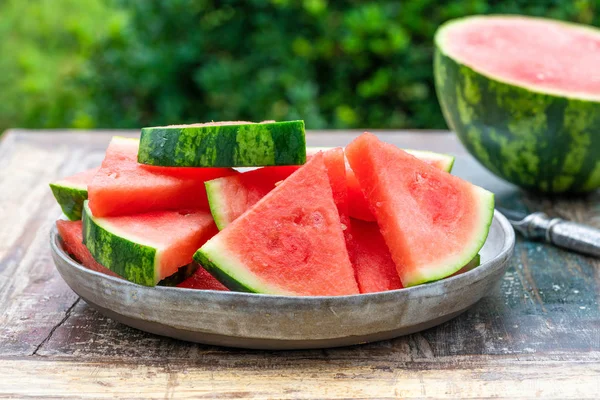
[(568, 235)]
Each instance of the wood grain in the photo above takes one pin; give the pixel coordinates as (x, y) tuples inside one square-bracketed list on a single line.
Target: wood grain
[(537, 335)]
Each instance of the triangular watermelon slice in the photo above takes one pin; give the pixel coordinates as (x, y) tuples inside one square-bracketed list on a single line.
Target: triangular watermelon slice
[(357, 203), (146, 248), (231, 196), (124, 187), (71, 233), (290, 243), (433, 223), (71, 192), (375, 269)]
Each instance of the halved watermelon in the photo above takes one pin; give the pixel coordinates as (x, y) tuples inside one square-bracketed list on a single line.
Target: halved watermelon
[(124, 187), (433, 223), (291, 242), (71, 192), (202, 280), (145, 248), (375, 269), (523, 96), (358, 205), (71, 233)]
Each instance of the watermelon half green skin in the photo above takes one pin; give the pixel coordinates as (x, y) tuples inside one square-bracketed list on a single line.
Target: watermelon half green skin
[(358, 205), (146, 248), (224, 144), (289, 243), (433, 223), (517, 119), (71, 192)]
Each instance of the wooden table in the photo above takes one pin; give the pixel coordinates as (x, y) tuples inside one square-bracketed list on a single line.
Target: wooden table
[(536, 335)]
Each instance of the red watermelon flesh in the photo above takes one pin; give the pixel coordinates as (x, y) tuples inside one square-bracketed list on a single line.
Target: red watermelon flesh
[(124, 187), (357, 203), (433, 223), (71, 233), (291, 242), (375, 269), (202, 280), (530, 52), (231, 196)]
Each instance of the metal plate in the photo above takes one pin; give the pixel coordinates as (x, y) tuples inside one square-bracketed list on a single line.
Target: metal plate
[(286, 322)]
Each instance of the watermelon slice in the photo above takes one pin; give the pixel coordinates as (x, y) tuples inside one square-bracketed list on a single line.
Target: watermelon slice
[(124, 187), (202, 280), (146, 248), (290, 243), (71, 233), (375, 269), (358, 205), (71, 192), (230, 196), (433, 223), (224, 144)]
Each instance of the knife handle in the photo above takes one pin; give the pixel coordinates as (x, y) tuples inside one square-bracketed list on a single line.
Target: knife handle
[(568, 235), (573, 236)]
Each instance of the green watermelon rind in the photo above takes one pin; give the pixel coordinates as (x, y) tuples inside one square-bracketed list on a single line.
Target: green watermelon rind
[(127, 256), (434, 272), (236, 145), (221, 263), (216, 201), (70, 197), (541, 141)]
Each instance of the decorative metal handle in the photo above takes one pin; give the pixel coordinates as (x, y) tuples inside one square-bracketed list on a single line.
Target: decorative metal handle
[(568, 235)]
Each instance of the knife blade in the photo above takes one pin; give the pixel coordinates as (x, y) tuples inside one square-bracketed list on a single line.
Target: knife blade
[(565, 234)]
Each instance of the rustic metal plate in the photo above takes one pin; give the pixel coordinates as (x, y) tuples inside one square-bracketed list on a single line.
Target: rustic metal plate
[(287, 322)]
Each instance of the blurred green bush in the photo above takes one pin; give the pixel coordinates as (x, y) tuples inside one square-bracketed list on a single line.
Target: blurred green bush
[(336, 64)]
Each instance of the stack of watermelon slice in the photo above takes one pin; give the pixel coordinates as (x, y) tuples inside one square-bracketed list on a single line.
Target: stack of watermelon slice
[(170, 208)]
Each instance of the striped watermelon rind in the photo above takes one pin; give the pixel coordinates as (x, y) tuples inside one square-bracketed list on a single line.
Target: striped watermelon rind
[(224, 145), (70, 196), (128, 257), (539, 141)]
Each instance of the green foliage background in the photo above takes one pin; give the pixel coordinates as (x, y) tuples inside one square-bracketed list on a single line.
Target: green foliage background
[(335, 64)]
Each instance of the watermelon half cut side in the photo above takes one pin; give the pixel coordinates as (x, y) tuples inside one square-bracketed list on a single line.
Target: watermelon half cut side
[(122, 186), (146, 248), (523, 95), (290, 243), (71, 192), (358, 205), (433, 223), (224, 144)]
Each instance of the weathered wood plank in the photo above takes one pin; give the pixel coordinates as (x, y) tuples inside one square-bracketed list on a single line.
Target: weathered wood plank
[(300, 380)]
